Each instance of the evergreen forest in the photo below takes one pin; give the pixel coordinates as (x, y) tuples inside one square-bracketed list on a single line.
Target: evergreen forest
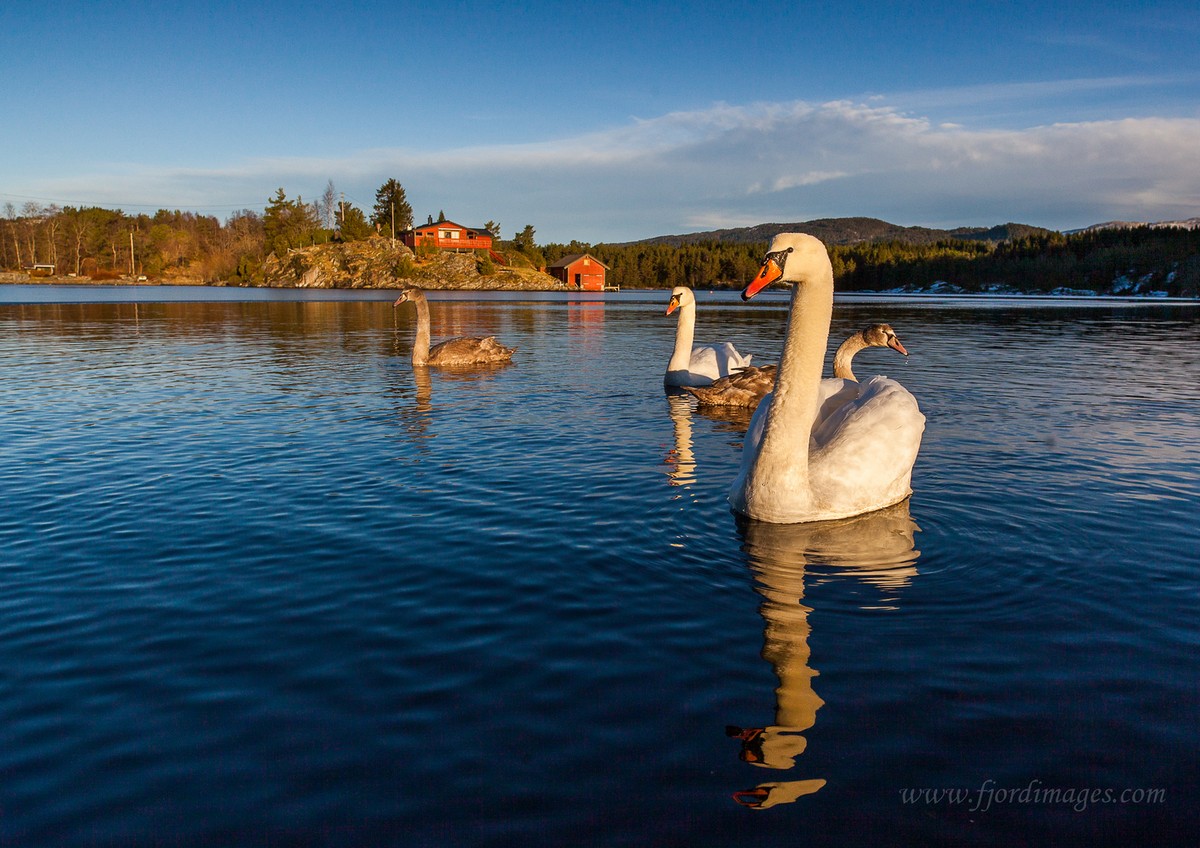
[(167, 246)]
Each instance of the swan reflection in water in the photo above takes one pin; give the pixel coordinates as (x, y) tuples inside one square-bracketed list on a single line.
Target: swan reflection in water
[(734, 420), (417, 417), (877, 548), (680, 459)]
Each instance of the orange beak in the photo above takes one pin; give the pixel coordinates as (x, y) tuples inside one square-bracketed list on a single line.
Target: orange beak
[(769, 273), (673, 305), (894, 344)]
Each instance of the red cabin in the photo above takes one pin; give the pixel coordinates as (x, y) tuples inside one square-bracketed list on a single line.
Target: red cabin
[(447, 235), (580, 271)]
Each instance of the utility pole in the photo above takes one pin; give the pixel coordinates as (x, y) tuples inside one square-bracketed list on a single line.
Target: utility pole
[(393, 223), (131, 270)]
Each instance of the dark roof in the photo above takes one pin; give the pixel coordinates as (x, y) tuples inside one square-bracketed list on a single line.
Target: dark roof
[(483, 230), (575, 257)]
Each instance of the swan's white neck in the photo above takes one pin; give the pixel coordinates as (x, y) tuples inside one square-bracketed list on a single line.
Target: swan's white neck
[(782, 464), (420, 353), (685, 333)]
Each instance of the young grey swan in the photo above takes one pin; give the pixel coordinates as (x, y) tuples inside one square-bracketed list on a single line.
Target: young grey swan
[(748, 386), (464, 350)]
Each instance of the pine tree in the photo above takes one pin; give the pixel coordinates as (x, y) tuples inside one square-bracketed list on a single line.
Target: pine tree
[(391, 205), (289, 223), (354, 225)]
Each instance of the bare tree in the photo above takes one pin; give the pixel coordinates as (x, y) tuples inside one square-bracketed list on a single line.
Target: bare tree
[(327, 207), (53, 214), (31, 216), (10, 212), (79, 228)]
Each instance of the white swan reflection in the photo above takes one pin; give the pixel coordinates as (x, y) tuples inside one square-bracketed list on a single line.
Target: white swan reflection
[(878, 548), (680, 459)]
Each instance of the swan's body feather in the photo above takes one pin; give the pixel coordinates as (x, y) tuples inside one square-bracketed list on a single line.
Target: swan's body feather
[(744, 388), (708, 363), (468, 350)]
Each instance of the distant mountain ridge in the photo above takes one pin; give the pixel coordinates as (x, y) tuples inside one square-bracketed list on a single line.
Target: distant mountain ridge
[(846, 231), (1187, 224)]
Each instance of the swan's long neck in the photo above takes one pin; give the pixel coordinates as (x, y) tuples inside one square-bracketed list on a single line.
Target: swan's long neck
[(845, 353), (685, 333), (790, 418), (420, 353)]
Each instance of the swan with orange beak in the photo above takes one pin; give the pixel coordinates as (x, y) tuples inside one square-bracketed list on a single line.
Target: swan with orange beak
[(699, 365), (809, 456)]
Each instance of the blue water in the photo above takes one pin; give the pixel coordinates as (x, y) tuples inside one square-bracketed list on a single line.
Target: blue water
[(262, 583)]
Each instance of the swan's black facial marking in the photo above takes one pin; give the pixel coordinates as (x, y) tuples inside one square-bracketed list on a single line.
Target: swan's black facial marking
[(779, 257)]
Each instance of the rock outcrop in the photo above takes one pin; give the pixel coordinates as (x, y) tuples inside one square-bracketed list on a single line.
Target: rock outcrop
[(380, 263)]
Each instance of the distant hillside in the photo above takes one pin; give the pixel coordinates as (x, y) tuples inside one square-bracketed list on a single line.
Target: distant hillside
[(1189, 224), (846, 231)]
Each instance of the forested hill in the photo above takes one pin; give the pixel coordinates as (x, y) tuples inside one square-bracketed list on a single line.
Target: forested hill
[(847, 231), (1133, 261)]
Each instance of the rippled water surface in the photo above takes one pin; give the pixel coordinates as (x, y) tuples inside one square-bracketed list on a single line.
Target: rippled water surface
[(263, 583)]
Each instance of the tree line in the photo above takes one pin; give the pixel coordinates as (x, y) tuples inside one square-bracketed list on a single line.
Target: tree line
[(109, 244), (1110, 261)]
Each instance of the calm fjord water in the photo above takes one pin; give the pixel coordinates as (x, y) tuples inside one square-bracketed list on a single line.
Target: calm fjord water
[(262, 583)]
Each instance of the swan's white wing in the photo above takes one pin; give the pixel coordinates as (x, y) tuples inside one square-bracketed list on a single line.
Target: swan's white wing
[(863, 450), (716, 360), (832, 395)]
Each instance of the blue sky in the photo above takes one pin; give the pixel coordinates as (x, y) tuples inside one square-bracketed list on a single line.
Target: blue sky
[(611, 121)]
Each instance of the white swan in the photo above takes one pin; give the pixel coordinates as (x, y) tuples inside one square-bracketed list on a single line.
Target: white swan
[(802, 462), (748, 386), (464, 350), (699, 365)]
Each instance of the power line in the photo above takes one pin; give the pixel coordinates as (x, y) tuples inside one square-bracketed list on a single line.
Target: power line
[(82, 204), (112, 205), (212, 208)]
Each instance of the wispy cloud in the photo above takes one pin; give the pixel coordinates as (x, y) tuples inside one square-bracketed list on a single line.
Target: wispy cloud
[(1030, 91), (730, 165)]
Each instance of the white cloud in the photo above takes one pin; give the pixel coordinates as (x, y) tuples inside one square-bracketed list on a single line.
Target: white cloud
[(732, 165), (796, 180)]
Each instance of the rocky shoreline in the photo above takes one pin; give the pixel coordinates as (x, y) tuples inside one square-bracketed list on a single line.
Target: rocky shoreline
[(377, 263), (381, 263)]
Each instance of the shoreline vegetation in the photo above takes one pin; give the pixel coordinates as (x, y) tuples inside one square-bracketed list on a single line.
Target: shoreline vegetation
[(294, 244)]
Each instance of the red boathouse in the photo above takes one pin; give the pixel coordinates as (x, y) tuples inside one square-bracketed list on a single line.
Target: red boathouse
[(580, 271)]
